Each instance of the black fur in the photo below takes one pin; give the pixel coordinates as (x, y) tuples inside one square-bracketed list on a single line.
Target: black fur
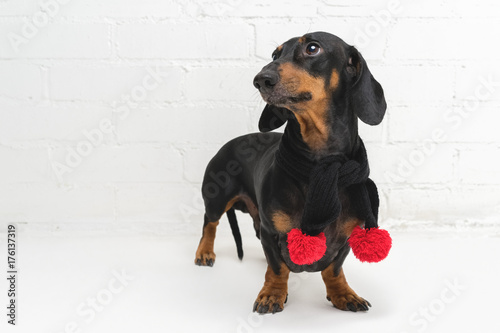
[(246, 167)]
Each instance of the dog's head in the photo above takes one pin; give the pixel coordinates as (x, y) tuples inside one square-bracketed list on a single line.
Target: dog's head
[(318, 77)]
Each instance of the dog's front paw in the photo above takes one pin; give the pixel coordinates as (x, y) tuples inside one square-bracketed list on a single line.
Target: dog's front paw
[(205, 258), (270, 301), (349, 302), (274, 294)]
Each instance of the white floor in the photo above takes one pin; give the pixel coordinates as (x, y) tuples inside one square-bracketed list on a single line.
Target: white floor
[(430, 283)]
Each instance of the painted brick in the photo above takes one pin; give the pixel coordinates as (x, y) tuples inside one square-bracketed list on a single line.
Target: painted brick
[(258, 8), (409, 39), (105, 164), (214, 41), (458, 123), (477, 83), (443, 205), (422, 163), (122, 9), (352, 8), (47, 203), (91, 9), (38, 121), (18, 8), (417, 123), (222, 84), (178, 205), (428, 8), (483, 8), (411, 84), (436, 60), (19, 80), (181, 124), (475, 125), (114, 83), (58, 40), (7, 50), (479, 165), (355, 3), (24, 165)]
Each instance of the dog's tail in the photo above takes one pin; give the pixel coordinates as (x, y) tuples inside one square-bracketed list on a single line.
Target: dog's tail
[(233, 222)]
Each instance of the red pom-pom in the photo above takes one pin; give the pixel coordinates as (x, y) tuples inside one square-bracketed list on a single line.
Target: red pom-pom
[(304, 249), (370, 245)]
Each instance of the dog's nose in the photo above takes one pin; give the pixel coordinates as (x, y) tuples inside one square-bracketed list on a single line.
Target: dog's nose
[(265, 80)]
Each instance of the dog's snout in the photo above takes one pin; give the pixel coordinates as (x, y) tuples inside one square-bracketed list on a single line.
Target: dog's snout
[(265, 80)]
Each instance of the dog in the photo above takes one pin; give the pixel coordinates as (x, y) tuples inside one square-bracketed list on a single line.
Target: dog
[(319, 86)]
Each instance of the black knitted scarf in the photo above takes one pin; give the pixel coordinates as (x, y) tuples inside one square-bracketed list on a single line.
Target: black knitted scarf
[(324, 178)]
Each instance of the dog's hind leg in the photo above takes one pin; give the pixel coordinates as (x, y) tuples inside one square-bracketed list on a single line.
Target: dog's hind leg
[(205, 255)]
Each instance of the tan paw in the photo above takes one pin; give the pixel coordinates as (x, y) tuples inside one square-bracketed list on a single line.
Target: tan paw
[(270, 302), (349, 302), (206, 258)]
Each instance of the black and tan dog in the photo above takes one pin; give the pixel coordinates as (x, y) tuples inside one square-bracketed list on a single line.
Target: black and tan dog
[(321, 86)]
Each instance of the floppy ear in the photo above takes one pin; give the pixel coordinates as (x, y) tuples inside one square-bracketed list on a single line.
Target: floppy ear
[(367, 96), (272, 117)]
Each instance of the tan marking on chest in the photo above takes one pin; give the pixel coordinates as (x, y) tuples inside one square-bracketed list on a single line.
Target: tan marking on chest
[(282, 221), (350, 224)]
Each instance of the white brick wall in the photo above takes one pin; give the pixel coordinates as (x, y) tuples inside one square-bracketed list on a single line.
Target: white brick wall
[(161, 85)]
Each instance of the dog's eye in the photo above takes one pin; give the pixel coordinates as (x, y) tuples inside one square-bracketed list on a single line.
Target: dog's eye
[(312, 48), (274, 55)]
